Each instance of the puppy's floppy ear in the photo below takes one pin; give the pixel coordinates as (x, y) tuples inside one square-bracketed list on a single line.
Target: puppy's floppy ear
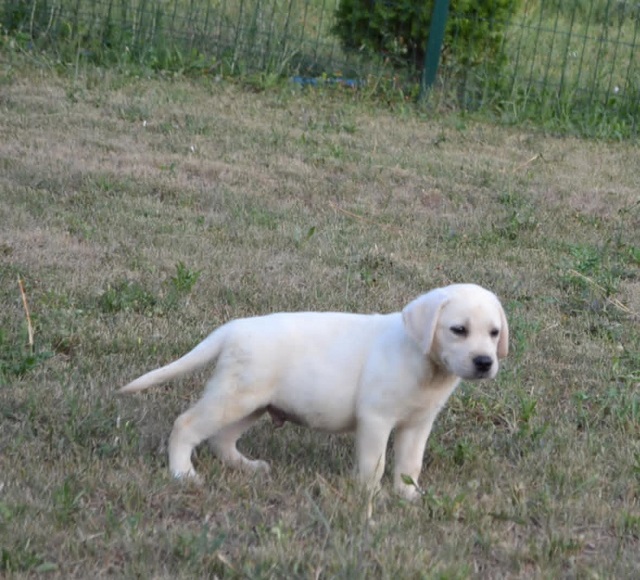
[(503, 339), (420, 317)]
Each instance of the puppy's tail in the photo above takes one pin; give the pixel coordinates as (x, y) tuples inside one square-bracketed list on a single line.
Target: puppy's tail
[(205, 352)]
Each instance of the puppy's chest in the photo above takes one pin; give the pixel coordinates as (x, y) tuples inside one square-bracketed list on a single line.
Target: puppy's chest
[(427, 399)]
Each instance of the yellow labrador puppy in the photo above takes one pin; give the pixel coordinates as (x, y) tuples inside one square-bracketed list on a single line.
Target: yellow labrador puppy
[(340, 372)]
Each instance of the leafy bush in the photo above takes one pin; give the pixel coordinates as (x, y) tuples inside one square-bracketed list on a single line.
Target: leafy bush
[(22, 16), (398, 29)]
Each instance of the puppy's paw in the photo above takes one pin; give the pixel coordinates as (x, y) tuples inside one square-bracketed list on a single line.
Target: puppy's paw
[(409, 493), (189, 476), (257, 466), (408, 488)]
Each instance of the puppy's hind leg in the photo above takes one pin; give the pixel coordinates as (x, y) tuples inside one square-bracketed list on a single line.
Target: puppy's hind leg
[(223, 444), (212, 415)]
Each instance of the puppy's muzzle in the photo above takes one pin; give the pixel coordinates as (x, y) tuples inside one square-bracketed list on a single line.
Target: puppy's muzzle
[(482, 365)]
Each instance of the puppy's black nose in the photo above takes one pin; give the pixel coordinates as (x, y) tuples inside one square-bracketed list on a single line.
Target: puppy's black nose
[(482, 363)]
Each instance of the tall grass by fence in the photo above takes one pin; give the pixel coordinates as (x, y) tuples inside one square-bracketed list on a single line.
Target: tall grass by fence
[(572, 64)]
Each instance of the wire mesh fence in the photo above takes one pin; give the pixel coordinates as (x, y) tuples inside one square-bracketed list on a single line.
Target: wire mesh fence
[(576, 60), (572, 62)]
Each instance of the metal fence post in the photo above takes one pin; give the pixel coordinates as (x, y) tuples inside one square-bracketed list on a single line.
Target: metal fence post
[(434, 45)]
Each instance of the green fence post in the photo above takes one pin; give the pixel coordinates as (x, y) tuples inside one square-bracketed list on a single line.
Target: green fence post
[(434, 45)]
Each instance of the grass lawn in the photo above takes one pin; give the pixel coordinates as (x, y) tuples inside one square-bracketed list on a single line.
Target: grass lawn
[(140, 213)]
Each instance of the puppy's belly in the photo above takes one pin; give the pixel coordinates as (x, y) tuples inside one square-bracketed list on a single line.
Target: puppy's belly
[(318, 392), (312, 419), (323, 410)]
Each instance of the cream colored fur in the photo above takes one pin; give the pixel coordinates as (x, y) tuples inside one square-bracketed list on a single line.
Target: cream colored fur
[(337, 372)]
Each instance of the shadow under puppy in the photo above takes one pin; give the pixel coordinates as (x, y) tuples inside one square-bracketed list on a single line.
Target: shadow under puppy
[(340, 372)]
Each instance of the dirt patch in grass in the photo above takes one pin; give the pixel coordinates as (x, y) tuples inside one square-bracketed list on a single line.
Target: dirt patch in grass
[(141, 213)]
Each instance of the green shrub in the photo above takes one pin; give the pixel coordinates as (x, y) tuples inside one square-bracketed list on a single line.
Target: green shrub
[(24, 16), (398, 29)]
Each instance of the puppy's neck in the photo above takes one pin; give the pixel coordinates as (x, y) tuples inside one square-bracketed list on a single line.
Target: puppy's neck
[(437, 376)]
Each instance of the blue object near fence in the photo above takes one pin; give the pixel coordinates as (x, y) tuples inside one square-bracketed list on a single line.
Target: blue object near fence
[(320, 81)]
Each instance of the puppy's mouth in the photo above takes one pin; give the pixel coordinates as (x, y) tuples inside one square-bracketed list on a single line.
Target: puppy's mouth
[(479, 375), (474, 376), (474, 369)]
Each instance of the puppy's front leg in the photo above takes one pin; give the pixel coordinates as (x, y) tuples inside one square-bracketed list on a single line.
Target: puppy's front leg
[(409, 445), (372, 435)]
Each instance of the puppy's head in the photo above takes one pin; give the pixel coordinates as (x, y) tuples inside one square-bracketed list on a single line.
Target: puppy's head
[(461, 327)]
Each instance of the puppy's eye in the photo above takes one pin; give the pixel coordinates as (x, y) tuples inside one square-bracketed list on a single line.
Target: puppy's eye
[(495, 332), (459, 330)]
